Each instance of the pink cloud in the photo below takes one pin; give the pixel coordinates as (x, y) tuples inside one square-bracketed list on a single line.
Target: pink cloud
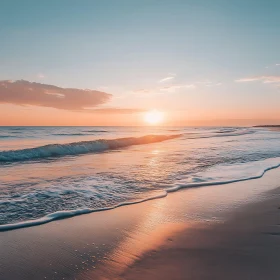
[(27, 93), (264, 79)]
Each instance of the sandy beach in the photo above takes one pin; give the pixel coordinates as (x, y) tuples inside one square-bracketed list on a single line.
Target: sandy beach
[(219, 232), (139, 140)]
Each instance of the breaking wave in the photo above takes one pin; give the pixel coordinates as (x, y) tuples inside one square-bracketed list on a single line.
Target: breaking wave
[(78, 148)]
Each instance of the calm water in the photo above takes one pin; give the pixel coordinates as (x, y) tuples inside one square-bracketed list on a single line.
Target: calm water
[(52, 172)]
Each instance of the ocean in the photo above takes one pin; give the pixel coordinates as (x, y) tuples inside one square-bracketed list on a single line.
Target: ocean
[(49, 173)]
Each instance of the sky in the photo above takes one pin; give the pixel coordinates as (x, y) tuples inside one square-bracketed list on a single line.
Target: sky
[(108, 62)]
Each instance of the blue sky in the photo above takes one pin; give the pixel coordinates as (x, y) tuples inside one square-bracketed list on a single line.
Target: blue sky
[(126, 48)]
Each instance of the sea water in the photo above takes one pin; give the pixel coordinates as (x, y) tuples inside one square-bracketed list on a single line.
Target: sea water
[(49, 173)]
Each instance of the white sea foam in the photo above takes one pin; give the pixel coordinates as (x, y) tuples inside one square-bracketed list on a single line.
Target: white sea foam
[(268, 164)]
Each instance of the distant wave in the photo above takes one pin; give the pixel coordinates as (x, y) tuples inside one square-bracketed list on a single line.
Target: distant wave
[(220, 134), (70, 213), (227, 130), (234, 133), (8, 136), (96, 131), (86, 132), (69, 134), (18, 128), (78, 148)]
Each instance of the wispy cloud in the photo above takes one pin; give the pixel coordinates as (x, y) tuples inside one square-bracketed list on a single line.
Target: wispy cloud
[(166, 79), (27, 93), (208, 83), (173, 88), (264, 79), (170, 77), (163, 89), (40, 76), (115, 110), (249, 79)]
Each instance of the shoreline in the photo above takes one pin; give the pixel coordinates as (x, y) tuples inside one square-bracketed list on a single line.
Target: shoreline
[(136, 240), (164, 193)]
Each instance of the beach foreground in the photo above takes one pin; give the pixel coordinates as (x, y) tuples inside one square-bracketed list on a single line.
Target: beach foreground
[(219, 232)]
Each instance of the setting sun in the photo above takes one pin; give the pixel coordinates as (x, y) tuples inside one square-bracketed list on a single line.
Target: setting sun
[(153, 117)]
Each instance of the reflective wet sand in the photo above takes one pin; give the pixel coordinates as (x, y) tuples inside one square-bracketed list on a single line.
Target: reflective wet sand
[(154, 238)]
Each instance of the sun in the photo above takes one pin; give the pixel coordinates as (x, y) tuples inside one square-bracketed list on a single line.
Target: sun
[(153, 117)]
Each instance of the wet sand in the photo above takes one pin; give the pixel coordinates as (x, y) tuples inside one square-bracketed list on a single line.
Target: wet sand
[(247, 246), (219, 232)]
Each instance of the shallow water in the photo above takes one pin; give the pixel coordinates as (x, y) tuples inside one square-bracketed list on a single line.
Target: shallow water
[(53, 172)]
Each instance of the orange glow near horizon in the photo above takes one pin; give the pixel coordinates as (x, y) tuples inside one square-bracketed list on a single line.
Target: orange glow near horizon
[(15, 115), (154, 117)]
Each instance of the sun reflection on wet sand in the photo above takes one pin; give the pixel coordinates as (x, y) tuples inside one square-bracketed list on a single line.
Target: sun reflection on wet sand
[(102, 245), (146, 236)]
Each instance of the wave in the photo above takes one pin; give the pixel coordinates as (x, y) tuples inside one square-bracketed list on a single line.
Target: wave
[(69, 134), (78, 148), (86, 132), (220, 134), (17, 127), (71, 213), (8, 136), (227, 130), (96, 131)]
